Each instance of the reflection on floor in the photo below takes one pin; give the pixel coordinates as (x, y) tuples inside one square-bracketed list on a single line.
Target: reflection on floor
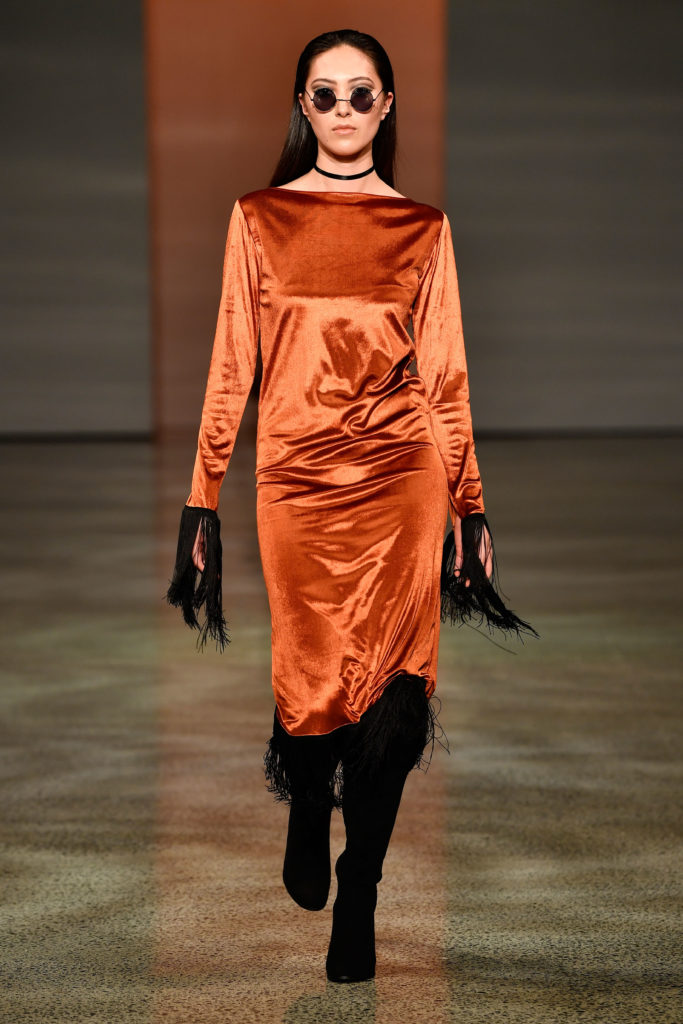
[(532, 875)]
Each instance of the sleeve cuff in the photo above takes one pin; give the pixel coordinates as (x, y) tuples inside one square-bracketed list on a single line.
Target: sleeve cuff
[(185, 591), (462, 604)]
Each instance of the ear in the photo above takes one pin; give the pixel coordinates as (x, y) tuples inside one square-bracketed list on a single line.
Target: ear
[(388, 99), (303, 108)]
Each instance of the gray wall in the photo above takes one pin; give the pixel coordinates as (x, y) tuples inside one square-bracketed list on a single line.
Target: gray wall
[(564, 191), (75, 347)]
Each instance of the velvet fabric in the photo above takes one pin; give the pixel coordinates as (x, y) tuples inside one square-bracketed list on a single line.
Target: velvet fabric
[(364, 440)]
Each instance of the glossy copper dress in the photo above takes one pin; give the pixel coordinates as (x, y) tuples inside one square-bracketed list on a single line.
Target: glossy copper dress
[(360, 459)]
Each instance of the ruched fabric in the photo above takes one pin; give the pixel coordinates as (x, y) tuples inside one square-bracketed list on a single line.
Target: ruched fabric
[(364, 442)]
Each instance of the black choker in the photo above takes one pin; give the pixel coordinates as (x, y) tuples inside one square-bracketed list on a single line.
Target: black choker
[(344, 177)]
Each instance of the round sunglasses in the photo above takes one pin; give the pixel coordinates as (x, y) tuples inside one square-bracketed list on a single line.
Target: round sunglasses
[(362, 100)]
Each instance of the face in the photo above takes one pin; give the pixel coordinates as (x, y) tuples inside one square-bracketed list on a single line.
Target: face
[(343, 131)]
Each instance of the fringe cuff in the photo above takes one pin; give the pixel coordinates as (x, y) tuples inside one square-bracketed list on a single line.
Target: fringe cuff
[(184, 591), (460, 604)]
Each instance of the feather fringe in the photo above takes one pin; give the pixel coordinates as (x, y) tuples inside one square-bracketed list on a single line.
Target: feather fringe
[(461, 604), (184, 591), (303, 767), (402, 724)]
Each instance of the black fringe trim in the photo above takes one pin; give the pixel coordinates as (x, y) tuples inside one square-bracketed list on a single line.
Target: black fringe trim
[(402, 723), (303, 767), (461, 604), (184, 591)]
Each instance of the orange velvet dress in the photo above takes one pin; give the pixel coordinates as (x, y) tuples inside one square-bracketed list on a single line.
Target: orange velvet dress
[(361, 457)]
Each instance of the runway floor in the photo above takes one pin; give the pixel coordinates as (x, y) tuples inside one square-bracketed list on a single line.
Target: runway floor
[(534, 874)]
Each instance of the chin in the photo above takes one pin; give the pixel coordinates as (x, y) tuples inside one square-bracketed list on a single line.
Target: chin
[(346, 144)]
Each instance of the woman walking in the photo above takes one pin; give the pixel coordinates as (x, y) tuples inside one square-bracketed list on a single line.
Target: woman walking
[(360, 463)]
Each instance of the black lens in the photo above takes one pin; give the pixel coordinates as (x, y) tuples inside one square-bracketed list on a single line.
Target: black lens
[(362, 99), (324, 99)]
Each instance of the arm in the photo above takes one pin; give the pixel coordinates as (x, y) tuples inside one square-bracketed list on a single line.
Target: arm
[(469, 572), (233, 363), (442, 365), (231, 373)]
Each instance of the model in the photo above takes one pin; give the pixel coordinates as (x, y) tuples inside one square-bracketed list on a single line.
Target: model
[(364, 450)]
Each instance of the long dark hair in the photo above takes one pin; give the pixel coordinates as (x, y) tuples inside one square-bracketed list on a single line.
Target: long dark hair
[(301, 146)]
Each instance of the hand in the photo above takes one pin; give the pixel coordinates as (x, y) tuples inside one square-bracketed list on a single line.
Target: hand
[(485, 550), (199, 549)]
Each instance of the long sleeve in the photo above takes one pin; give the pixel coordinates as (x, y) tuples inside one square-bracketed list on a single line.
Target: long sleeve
[(442, 365), (233, 362), (231, 373), (467, 593)]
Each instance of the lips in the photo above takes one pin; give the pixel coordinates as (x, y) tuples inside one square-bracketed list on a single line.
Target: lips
[(344, 130)]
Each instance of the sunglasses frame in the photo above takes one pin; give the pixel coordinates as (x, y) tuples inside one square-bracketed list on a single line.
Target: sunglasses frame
[(340, 99)]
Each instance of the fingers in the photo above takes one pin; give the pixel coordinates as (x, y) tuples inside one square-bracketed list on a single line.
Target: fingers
[(457, 534), (199, 550), (485, 551)]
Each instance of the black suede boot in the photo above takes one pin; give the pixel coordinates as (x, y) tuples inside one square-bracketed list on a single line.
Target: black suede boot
[(301, 770), (306, 869), (388, 742), (351, 953)]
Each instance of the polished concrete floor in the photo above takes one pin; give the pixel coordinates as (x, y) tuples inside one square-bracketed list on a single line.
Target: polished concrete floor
[(534, 874)]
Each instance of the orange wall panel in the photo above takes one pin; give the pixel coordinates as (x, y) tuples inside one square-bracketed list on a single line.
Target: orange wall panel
[(219, 84)]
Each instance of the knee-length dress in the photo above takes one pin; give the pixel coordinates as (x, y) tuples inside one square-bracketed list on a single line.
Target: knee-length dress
[(364, 439)]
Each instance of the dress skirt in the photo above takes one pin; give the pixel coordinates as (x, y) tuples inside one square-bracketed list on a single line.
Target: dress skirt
[(352, 565)]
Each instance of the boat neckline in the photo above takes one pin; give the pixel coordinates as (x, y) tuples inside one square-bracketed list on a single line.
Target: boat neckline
[(327, 192)]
